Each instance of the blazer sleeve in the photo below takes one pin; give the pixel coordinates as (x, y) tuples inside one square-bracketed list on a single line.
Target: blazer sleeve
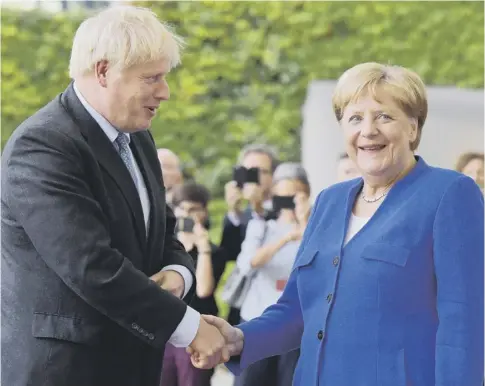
[(458, 246), (280, 328), (49, 194)]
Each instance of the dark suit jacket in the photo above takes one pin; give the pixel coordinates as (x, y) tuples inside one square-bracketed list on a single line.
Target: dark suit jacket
[(78, 308), (233, 236)]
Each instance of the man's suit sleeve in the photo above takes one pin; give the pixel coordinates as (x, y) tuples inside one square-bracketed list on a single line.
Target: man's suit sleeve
[(50, 197)]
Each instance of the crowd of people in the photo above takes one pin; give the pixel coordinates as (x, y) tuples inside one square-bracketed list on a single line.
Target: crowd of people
[(109, 273)]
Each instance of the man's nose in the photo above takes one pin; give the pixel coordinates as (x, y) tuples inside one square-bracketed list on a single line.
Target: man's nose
[(162, 92)]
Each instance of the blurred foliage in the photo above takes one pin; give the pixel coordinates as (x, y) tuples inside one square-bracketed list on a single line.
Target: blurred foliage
[(247, 65)]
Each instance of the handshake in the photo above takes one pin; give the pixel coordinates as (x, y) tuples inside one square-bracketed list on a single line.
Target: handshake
[(216, 341)]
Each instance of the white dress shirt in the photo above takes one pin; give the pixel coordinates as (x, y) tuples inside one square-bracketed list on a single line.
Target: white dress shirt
[(186, 331)]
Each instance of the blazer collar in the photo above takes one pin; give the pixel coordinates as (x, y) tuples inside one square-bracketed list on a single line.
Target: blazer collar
[(107, 156), (401, 188)]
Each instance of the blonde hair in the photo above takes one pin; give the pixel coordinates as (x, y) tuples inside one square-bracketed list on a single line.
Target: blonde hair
[(404, 86), (466, 158), (124, 36)]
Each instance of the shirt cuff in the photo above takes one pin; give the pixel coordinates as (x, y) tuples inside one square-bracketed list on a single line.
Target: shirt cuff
[(184, 271), (234, 219), (187, 329)]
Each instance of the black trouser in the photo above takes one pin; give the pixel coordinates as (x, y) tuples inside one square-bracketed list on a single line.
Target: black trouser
[(273, 371), (234, 317)]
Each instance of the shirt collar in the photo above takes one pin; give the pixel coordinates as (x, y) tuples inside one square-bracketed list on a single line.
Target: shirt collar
[(111, 132)]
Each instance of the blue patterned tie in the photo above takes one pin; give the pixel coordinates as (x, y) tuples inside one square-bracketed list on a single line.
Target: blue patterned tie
[(125, 154)]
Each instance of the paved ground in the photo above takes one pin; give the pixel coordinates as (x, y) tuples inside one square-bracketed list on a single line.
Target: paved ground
[(222, 377)]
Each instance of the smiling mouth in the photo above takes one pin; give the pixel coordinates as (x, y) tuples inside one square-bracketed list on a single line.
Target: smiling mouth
[(373, 148)]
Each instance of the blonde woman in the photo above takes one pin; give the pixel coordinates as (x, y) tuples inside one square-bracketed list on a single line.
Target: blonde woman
[(387, 287)]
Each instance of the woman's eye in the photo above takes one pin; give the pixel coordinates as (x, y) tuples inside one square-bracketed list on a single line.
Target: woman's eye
[(384, 117), (355, 118)]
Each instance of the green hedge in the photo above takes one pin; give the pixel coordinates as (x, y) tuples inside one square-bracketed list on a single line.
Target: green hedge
[(247, 65)]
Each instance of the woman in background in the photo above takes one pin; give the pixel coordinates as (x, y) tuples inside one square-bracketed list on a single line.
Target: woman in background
[(267, 256)]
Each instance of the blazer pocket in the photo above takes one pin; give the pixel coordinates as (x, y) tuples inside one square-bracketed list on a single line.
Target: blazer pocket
[(306, 258), (68, 328), (387, 253)]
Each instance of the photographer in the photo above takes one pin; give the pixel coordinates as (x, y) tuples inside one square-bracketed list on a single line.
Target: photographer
[(267, 256), (252, 181), (190, 202)]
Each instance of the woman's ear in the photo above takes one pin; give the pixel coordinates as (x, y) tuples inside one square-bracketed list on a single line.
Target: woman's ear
[(413, 133)]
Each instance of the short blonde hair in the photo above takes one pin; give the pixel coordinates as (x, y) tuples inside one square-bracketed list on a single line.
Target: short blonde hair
[(124, 36), (404, 86)]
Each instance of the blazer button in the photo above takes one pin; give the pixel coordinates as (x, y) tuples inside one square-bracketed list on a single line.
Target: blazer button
[(151, 336), (134, 326), (329, 297), (320, 335), (335, 261)]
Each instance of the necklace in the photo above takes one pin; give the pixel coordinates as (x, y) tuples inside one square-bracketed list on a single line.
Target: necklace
[(375, 199)]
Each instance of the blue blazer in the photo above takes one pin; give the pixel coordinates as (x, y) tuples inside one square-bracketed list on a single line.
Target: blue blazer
[(401, 304)]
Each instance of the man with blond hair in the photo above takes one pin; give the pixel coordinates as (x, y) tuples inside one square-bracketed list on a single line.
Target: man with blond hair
[(94, 282)]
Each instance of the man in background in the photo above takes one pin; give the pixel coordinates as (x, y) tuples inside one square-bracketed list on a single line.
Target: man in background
[(171, 171), (258, 196)]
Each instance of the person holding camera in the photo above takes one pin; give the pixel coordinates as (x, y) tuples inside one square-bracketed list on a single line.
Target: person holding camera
[(267, 256), (252, 180), (190, 202)]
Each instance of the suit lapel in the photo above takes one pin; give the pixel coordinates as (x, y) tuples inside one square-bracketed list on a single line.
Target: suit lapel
[(107, 157), (151, 185)]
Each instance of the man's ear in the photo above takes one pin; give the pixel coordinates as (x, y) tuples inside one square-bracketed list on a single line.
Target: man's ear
[(101, 72)]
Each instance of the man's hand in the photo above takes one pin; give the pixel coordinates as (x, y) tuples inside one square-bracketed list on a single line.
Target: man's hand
[(208, 349), (254, 194), (170, 281), (234, 336), (201, 238), (233, 197)]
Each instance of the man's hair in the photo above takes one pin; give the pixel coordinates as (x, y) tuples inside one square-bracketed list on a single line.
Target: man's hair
[(261, 149), (190, 191), (124, 36)]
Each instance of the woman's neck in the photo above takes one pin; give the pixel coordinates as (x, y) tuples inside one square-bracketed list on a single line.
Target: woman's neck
[(287, 216), (375, 187)]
